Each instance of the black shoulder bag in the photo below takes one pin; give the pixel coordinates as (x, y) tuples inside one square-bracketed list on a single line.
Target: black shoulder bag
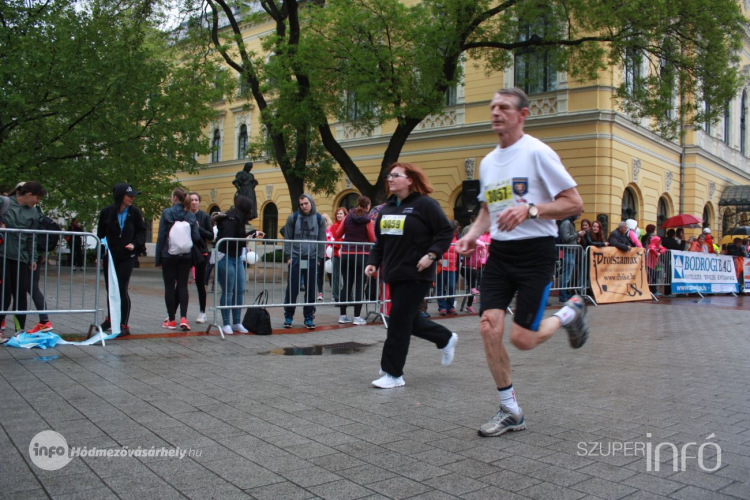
[(257, 319)]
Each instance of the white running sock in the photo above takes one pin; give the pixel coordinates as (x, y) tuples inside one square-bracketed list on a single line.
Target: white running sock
[(508, 399), (566, 315)]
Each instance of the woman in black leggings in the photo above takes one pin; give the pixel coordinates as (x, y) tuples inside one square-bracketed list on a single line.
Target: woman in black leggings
[(175, 265), (206, 231)]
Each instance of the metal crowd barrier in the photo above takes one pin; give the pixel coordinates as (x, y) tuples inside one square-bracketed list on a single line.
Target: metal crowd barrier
[(658, 270), (53, 290), (299, 283)]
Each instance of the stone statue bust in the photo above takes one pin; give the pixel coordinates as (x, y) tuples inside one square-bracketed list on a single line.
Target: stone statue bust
[(245, 183)]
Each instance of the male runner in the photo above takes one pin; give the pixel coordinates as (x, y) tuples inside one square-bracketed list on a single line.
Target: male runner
[(524, 189)]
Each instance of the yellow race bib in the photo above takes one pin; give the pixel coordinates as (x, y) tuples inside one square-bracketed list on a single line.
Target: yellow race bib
[(392, 224), (499, 196)]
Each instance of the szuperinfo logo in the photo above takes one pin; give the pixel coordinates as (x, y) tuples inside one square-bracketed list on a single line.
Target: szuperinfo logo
[(50, 451), (708, 462)]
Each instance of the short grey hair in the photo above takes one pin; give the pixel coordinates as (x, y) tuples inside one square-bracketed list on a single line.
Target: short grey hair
[(522, 100)]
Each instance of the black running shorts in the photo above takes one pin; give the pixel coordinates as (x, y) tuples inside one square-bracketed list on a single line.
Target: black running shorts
[(523, 266)]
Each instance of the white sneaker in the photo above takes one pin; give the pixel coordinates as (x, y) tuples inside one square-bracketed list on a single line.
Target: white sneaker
[(344, 319), (239, 328), (449, 350), (359, 321), (201, 318), (227, 330), (388, 382)]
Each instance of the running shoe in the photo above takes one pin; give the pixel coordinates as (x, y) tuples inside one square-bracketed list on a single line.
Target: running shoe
[(449, 351), (2, 326), (388, 382), (287, 322), (3, 338), (41, 327), (227, 329), (104, 326), (578, 328), (442, 312), (451, 312), (320, 297), (344, 319), (359, 320), (124, 331), (239, 328), (165, 324), (471, 309), (309, 324), (474, 291), (184, 324), (201, 318), (172, 325), (502, 422)]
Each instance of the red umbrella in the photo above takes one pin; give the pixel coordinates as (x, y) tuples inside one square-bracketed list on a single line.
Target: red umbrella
[(682, 220)]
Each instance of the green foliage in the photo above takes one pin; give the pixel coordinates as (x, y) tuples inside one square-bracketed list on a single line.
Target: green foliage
[(94, 95)]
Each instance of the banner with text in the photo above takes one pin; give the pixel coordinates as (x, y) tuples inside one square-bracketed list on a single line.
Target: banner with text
[(746, 276), (703, 272), (618, 276)]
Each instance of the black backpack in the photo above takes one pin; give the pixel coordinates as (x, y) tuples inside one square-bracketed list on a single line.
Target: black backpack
[(47, 242)]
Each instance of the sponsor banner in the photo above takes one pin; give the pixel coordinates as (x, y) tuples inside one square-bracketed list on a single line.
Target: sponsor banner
[(703, 272), (618, 276), (746, 268)]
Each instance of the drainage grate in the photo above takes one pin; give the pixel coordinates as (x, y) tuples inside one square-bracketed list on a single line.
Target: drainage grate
[(320, 350)]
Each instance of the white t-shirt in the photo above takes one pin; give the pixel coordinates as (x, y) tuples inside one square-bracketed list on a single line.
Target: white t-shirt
[(529, 171)]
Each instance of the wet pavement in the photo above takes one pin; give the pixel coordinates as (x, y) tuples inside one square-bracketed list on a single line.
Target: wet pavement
[(295, 417)]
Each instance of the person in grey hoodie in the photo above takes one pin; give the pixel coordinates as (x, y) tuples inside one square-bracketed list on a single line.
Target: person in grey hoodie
[(18, 249), (568, 236), (176, 268), (302, 258)]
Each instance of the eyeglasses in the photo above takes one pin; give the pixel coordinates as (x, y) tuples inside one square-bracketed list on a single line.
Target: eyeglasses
[(395, 175)]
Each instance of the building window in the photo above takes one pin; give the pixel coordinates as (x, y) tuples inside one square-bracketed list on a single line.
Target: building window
[(243, 88), (535, 70), (727, 122), (349, 201), (451, 95), (743, 123), (706, 121), (662, 214), (633, 71), (271, 221), (628, 205), (242, 142), (707, 216), (216, 145)]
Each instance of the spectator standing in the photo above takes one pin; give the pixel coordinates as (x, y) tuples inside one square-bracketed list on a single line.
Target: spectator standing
[(595, 236), (568, 236), (123, 226), (206, 232), (340, 215), (229, 267), (646, 238), (633, 232), (302, 258), (356, 228), (680, 237), (18, 249), (411, 233), (446, 278), (709, 240), (321, 272), (175, 267), (620, 239), (77, 245), (473, 268), (654, 250), (670, 242), (699, 245)]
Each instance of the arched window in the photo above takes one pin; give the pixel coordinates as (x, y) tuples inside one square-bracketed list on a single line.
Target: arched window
[(707, 216), (458, 211), (216, 145), (629, 210), (349, 201), (662, 214), (213, 209), (727, 123), (743, 124), (242, 142), (271, 221)]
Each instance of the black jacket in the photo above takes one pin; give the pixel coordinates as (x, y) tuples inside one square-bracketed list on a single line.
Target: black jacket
[(426, 229), (205, 229), (619, 240), (231, 225), (134, 231), (670, 243)]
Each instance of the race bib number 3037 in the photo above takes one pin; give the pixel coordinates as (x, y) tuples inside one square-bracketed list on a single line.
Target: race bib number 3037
[(392, 224), (499, 196)]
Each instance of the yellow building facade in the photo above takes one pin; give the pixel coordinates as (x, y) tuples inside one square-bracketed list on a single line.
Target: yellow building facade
[(620, 165)]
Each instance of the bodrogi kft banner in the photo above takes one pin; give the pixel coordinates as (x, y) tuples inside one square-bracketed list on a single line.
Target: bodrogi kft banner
[(703, 272), (618, 276)]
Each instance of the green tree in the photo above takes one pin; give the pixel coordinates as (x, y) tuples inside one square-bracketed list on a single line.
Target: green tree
[(94, 94), (393, 63)]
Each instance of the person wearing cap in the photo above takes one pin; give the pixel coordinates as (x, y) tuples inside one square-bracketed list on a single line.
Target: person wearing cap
[(123, 225), (709, 240)]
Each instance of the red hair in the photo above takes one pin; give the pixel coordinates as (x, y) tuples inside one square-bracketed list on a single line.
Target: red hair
[(419, 182)]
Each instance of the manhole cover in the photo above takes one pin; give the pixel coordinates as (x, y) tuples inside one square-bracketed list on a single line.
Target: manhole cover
[(320, 350)]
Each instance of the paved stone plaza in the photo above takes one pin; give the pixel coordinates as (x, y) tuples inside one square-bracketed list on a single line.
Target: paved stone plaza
[(269, 426)]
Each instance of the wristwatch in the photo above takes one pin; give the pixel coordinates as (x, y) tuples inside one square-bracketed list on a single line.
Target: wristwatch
[(533, 211), (431, 256)]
